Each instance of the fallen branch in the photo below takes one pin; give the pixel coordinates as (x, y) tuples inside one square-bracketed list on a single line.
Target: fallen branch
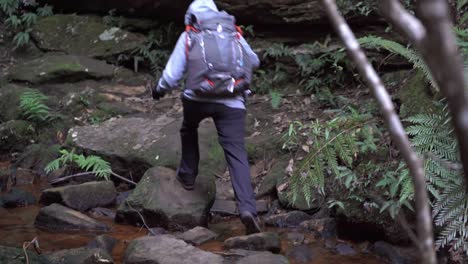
[(87, 174), (142, 218), (397, 132), (35, 243)]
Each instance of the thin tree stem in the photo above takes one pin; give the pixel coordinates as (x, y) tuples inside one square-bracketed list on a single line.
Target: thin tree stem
[(398, 134)]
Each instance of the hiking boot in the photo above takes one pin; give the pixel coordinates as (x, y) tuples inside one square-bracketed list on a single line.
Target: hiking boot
[(250, 222), (187, 187)]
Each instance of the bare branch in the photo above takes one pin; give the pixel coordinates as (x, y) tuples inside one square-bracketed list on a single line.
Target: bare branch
[(398, 134), (142, 218), (90, 173), (411, 27)]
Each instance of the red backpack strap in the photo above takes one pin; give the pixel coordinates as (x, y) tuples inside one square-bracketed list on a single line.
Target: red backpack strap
[(188, 29), (239, 32)]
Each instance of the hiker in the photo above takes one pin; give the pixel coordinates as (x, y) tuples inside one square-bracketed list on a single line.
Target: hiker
[(218, 64)]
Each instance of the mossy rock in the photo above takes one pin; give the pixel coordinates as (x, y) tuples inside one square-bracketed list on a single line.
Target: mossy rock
[(53, 68), (15, 134), (84, 35), (12, 255), (415, 96), (9, 101)]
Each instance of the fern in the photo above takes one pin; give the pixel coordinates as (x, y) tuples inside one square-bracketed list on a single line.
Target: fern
[(396, 48), (33, 107), (94, 164), (335, 144)]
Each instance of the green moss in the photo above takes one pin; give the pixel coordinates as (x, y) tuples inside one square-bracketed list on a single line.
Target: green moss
[(415, 96)]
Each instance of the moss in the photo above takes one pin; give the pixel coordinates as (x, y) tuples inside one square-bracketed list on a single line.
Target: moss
[(415, 96)]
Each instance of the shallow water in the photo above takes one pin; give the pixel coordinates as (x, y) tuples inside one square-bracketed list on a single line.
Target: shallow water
[(17, 227)]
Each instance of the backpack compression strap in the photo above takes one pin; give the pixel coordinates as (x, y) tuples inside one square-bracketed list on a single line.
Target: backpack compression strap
[(190, 28)]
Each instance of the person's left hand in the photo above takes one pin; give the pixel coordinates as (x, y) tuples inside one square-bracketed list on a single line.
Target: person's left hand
[(157, 93)]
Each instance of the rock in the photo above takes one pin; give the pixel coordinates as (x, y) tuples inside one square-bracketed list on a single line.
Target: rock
[(25, 176), (163, 202), (80, 256), (102, 212), (263, 258), (291, 219), (10, 255), (415, 89), (10, 102), (15, 135), (295, 237), (301, 254), (16, 198), (228, 207), (145, 142), (168, 250), (4, 177), (156, 231), (262, 241), (103, 242), (387, 251), (81, 197), (224, 190), (277, 172), (197, 236), (325, 227), (345, 250), (84, 36), (53, 68), (121, 197), (60, 218)]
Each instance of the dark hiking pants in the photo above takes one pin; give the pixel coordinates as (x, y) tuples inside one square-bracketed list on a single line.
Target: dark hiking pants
[(230, 124)]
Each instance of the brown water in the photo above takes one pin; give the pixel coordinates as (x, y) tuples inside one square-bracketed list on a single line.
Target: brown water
[(17, 227)]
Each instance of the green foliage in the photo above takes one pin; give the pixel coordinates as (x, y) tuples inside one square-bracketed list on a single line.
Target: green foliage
[(112, 19), (33, 107), (275, 99), (91, 163), (412, 56), (331, 148), (21, 21)]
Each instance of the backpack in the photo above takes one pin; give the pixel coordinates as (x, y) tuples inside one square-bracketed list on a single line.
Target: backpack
[(217, 65)]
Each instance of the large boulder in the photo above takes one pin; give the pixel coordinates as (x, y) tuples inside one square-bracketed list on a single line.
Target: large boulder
[(52, 68), (262, 12), (84, 35), (162, 201), (144, 142), (16, 256), (81, 197), (80, 256), (168, 250), (56, 217)]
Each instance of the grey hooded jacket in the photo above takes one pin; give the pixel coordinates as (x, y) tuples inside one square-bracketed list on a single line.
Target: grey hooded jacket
[(177, 64)]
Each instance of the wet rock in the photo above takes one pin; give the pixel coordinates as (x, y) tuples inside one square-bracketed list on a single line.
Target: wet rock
[(163, 202), (51, 68), (155, 231), (121, 197), (296, 238), (80, 256), (25, 177), (301, 254), (102, 212), (263, 258), (345, 250), (15, 135), (84, 35), (145, 142), (82, 196), (197, 236), (259, 242), (387, 251), (290, 219), (268, 184), (10, 255), (104, 242), (228, 207), (168, 250), (16, 198), (57, 217), (325, 227)]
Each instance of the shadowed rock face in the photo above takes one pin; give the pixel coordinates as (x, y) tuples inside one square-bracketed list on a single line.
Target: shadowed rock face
[(261, 12)]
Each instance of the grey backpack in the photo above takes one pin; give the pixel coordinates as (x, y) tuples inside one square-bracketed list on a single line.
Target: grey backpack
[(217, 65)]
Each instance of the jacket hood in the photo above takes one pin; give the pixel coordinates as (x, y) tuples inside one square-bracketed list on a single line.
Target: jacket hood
[(199, 6)]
